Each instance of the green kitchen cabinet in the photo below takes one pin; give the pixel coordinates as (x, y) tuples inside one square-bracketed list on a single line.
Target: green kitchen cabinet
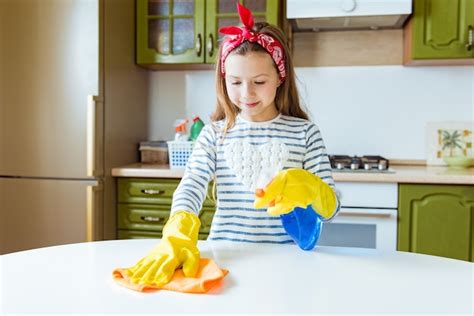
[(437, 220), (144, 207), (441, 29), (186, 31)]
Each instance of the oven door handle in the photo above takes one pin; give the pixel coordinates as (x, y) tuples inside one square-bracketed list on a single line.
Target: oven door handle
[(378, 214)]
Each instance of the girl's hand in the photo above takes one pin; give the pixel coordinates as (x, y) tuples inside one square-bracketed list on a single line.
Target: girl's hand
[(178, 248), (296, 188)]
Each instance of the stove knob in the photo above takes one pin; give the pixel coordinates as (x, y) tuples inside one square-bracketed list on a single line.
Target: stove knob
[(367, 166), (382, 165), (339, 166), (354, 166)]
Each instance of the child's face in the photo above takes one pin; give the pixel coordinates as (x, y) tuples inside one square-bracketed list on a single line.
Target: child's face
[(251, 81)]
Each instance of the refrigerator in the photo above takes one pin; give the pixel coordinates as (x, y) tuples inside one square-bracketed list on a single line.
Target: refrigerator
[(73, 105)]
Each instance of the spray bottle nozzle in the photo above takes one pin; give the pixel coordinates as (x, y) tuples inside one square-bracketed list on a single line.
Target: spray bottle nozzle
[(180, 129)]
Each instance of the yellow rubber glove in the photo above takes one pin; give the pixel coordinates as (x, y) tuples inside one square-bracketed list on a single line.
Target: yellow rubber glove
[(296, 188), (178, 248)]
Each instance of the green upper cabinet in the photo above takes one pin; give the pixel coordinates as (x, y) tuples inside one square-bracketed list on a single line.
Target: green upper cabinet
[(170, 31), (187, 31), (221, 13), (442, 29), (437, 220)]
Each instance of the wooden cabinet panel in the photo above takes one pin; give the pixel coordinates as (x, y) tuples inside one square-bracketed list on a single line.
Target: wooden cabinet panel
[(437, 220), (440, 30)]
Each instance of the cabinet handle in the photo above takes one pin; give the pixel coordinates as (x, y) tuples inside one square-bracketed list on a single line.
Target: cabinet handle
[(94, 212), (94, 131), (152, 192), (199, 45), (470, 37), (210, 45), (152, 219)]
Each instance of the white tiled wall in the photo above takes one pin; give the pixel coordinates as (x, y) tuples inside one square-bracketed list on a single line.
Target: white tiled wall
[(360, 110)]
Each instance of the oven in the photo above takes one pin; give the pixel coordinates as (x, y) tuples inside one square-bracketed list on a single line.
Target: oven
[(367, 219)]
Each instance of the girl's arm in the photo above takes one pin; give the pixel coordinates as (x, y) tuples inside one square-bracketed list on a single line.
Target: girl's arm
[(200, 170), (301, 187), (178, 246)]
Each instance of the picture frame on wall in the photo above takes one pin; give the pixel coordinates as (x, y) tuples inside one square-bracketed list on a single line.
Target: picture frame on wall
[(448, 139)]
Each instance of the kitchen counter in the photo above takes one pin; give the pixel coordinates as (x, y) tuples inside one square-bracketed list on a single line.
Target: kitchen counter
[(412, 174), (268, 278), (401, 174)]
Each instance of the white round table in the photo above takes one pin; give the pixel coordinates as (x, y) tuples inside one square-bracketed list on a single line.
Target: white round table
[(77, 278)]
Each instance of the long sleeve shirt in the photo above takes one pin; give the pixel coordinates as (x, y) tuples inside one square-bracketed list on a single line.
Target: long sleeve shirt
[(237, 161)]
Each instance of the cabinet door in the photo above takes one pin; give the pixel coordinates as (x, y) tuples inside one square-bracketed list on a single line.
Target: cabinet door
[(441, 29), (170, 31), (437, 220), (221, 13)]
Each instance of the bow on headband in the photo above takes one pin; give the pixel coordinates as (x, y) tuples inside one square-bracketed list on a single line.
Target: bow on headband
[(238, 35)]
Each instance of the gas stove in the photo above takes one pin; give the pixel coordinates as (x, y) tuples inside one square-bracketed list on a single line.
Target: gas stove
[(343, 163)]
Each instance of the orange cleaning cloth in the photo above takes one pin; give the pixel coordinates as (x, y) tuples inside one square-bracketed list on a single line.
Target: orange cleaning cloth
[(208, 275)]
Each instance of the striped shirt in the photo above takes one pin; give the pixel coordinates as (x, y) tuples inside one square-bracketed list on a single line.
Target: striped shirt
[(238, 162)]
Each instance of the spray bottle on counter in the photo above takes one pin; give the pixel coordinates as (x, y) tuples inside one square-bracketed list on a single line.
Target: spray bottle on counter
[(196, 128), (180, 129)]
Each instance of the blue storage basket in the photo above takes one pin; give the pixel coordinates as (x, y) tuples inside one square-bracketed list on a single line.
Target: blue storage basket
[(179, 153)]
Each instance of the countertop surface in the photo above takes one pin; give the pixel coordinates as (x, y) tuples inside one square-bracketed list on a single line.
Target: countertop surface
[(263, 278), (400, 174)]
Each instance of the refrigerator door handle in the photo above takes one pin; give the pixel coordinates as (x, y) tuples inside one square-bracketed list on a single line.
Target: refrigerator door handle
[(94, 214), (95, 132)]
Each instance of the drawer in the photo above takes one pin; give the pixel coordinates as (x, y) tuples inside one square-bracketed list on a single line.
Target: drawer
[(152, 191), (154, 217), (143, 216), (375, 195), (203, 236), (132, 234), (206, 215), (146, 190)]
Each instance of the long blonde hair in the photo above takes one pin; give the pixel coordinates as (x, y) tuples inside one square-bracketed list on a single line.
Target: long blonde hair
[(286, 100)]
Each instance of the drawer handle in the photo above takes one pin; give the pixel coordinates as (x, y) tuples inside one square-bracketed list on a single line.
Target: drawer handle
[(363, 214), (152, 192), (152, 219)]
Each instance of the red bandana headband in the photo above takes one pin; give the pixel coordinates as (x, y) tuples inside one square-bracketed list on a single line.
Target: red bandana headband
[(238, 35)]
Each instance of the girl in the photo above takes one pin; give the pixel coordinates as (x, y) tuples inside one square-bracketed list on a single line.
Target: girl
[(259, 128)]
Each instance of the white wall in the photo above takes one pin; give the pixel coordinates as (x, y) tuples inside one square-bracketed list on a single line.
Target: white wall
[(360, 110), (167, 99)]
